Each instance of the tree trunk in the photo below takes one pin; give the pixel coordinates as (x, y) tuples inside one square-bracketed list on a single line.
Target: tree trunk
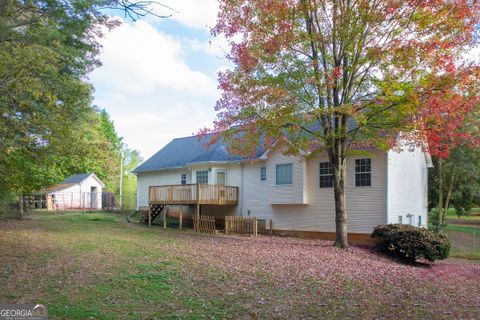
[(341, 234), (440, 193), (449, 195), (20, 211)]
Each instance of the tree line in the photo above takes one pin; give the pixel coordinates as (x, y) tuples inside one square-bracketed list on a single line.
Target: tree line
[(49, 128)]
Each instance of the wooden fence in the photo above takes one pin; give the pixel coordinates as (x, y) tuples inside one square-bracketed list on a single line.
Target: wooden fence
[(241, 225), (204, 224)]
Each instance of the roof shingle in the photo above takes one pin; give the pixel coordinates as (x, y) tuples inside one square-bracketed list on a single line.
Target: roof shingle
[(181, 151)]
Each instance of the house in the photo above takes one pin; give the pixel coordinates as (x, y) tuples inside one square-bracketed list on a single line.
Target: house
[(79, 191), (294, 192)]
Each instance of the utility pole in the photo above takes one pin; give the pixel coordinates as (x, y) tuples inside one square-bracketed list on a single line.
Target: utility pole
[(121, 175)]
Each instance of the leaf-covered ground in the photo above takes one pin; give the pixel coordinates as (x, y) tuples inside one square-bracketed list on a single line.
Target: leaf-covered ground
[(98, 266)]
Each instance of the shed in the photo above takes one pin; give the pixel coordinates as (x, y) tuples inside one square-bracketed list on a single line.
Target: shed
[(79, 191)]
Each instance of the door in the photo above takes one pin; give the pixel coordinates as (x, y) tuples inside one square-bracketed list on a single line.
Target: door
[(221, 178), (221, 186), (93, 198)]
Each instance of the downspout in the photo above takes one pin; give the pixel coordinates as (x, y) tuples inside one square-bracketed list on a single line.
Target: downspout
[(136, 191), (387, 187), (242, 204)]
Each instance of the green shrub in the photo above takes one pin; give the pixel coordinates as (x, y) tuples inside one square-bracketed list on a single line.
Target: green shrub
[(410, 243)]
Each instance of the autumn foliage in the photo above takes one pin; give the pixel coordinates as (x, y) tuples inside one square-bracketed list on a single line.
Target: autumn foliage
[(333, 76)]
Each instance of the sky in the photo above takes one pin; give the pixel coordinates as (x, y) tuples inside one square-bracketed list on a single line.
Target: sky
[(158, 78)]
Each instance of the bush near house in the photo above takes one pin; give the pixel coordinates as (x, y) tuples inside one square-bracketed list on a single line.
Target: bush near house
[(410, 243)]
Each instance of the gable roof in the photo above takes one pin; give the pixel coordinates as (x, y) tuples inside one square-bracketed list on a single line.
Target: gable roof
[(180, 152), (76, 178), (71, 181), (58, 187), (79, 178)]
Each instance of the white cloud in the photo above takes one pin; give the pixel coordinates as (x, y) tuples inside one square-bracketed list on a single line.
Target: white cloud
[(138, 59), (149, 88), (150, 131), (198, 14), (217, 46)]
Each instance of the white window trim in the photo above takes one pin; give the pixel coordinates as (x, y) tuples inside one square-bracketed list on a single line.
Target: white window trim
[(324, 175), (208, 175), (355, 173), (293, 175), (263, 167), (220, 170)]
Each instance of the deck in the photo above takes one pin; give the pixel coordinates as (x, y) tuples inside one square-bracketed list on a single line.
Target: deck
[(184, 194)]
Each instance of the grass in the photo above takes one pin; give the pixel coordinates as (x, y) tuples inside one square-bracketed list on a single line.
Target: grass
[(473, 230), (465, 241), (97, 266), (464, 234)]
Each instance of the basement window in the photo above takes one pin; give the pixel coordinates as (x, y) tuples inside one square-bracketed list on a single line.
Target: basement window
[(326, 175), (363, 172)]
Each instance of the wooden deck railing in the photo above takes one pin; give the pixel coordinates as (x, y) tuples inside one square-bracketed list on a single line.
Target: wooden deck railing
[(193, 194)]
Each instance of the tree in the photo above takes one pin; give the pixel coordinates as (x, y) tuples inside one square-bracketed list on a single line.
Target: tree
[(451, 122), (461, 173), (132, 159), (48, 127), (335, 75)]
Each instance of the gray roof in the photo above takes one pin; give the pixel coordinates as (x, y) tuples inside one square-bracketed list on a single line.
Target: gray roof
[(76, 178), (182, 151)]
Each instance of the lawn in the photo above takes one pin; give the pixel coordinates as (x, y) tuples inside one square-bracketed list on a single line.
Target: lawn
[(95, 265)]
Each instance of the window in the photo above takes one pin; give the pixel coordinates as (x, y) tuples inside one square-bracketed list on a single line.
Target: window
[(284, 173), (184, 178), (202, 177), (400, 219), (263, 173), (363, 172), (326, 175), (419, 221)]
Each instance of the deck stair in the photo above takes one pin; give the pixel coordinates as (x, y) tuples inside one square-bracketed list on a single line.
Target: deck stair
[(156, 210)]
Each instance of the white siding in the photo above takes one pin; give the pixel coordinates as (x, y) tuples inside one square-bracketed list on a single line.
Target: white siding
[(79, 195), (157, 178), (366, 206), (302, 206), (407, 186), (86, 187), (294, 193)]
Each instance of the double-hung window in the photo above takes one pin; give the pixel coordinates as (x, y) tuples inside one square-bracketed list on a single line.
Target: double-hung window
[(202, 177), (263, 173), (184, 178), (363, 172), (284, 174), (326, 175)]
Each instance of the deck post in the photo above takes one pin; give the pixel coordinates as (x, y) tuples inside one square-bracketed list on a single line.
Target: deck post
[(180, 219), (164, 217), (271, 227), (150, 215)]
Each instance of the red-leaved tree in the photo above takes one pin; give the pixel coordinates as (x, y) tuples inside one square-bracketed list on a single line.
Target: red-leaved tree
[(334, 75)]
